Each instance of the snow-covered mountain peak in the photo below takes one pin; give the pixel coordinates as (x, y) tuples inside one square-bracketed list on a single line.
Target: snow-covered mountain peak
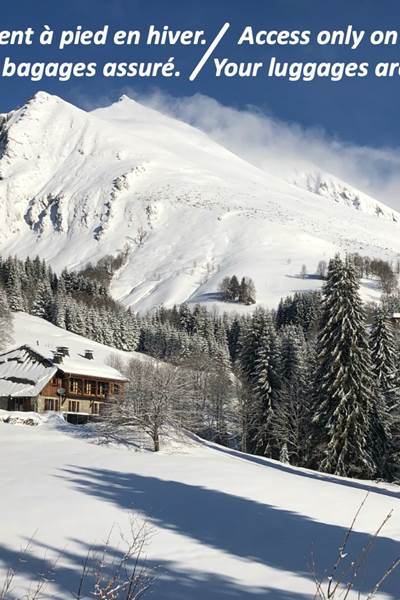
[(77, 185), (128, 99), (42, 97), (41, 107), (28, 128)]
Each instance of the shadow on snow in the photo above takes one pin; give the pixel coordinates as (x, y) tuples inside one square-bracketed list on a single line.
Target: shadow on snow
[(242, 527), (170, 583)]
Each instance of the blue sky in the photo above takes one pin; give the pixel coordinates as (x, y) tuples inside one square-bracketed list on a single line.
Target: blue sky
[(363, 111)]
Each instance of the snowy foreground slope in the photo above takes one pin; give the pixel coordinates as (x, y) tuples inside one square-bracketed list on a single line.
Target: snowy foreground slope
[(224, 525), (75, 186)]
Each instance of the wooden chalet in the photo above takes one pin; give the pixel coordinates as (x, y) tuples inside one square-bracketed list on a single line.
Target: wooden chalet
[(74, 385)]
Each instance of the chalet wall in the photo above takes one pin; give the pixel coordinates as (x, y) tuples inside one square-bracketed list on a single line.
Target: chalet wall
[(52, 386), (18, 403), (91, 406)]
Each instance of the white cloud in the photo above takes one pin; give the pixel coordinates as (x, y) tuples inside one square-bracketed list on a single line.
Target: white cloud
[(282, 148)]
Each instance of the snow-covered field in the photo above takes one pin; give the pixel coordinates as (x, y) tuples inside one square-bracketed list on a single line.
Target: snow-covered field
[(224, 525), (78, 185)]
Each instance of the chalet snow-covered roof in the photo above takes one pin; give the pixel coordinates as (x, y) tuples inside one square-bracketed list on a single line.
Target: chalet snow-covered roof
[(24, 372), (78, 365)]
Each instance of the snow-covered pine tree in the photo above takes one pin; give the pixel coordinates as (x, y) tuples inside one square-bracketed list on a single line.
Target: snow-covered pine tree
[(247, 291), (39, 268), (60, 305), (382, 439), (383, 352), (243, 291), (171, 348), (185, 318), (131, 331), (170, 344), (259, 362), (15, 297), (263, 411), (5, 320), (116, 323), (292, 415), (234, 289), (219, 395), (224, 288), (248, 341), (91, 324), (384, 414), (233, 336), (293, 355), (106, 327), (43, 301), (282, 312), (198, 319), (246, 354), (95, 325), (284, 455), (220, 335), (344, 384), (76, 317), (203, 325)]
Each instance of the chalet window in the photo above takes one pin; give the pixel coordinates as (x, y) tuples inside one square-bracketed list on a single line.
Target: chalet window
[(90, 387), (55, 382), (102, 388), (52, 404), (117, 389), (75, 386), (73, 406), (95, 408)]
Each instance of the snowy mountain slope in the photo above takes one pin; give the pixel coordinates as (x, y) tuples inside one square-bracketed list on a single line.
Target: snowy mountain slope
[(75, 186), (69, 491), (330, 187)]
